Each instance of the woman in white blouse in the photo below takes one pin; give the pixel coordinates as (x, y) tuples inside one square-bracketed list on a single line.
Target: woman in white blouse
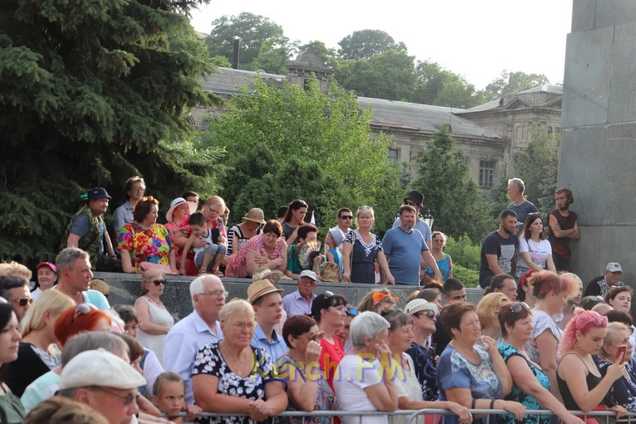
[(535, 251)]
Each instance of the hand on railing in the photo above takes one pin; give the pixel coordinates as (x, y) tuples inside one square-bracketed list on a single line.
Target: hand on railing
[(515, 408)]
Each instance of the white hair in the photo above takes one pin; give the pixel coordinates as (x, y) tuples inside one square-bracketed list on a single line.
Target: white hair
[(196, 286), (367, 324)]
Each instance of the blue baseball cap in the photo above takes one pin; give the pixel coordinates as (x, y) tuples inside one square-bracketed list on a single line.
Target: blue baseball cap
[(98, 193)]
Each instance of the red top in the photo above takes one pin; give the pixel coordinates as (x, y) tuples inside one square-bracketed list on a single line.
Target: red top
[(561, 245), (330, 357)]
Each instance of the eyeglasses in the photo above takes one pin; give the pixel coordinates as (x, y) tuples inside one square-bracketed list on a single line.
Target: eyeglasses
[(127, 399), (346, 217), (518, 307), (308, 282), (158, 282), (82, 309), (217, 293), (429, 313), (23, 301)]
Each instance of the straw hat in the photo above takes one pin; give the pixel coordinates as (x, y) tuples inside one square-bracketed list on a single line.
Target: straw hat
[(255, 215), (261, 288)]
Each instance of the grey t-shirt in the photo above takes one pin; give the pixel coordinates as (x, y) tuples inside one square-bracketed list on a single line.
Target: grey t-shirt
[(419, 225), (80, 229), (522, 212)]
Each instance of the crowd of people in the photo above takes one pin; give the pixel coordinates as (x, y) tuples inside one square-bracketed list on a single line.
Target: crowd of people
[(532, 342)]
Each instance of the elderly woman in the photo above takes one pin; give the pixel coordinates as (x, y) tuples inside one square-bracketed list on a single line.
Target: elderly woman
[(47, 277), (444, 261), (580, 382), (551, 293), (240, 234), (37, 354), (328, 310), (377, 301), (267, 250), (154, 319), (365, 382), (623, 391), (530, 385), (307, 389), (11, 410), (472, 374), (424, 315), (409, 390), (179, 210), (488, 313), (143, 240), (233, 377), (294, 218), (535, 251), (361, 249)]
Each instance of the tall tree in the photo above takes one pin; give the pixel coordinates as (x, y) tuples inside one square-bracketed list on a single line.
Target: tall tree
[(274, 54), (364, 44), (449, 191), (329, 56), (513, 82), (92, 94), (252, 30)]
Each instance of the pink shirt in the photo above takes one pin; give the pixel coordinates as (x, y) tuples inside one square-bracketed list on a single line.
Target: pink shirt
[(255, 244)]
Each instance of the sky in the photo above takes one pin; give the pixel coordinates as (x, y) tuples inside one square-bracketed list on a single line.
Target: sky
[(476, 39)]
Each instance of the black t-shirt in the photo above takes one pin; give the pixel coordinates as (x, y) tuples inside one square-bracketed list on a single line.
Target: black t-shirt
[(441, 338), (506, 251), (24, 370)]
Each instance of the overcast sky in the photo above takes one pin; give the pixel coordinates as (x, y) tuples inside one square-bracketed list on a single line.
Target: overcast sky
[(477, 39)]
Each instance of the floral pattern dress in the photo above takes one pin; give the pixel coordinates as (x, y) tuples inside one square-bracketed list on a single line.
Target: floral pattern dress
[(146, 244), (324, 402), (210, 361), (516, 394), (623, 390)]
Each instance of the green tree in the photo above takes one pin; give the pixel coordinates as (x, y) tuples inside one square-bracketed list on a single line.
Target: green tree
[(513, 82), (449, 191), (366, 43), (459, 94), (274, 54), (92, 94), (328, 56), (304, 144), (252, 30)]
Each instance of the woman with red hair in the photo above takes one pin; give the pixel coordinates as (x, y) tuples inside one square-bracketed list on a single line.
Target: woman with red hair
[(579, 379), (79, 319), (552, 294)]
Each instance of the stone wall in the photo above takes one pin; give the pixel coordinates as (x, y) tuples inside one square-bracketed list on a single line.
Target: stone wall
[(126, 288), (598, 138)]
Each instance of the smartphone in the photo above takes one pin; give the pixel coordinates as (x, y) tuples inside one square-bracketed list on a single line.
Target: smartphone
[(621, 351)]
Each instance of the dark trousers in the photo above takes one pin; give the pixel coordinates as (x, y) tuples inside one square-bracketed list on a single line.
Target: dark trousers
[(561, 264)]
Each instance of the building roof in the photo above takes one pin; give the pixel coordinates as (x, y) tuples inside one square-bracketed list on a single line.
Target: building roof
[(309, 62), (227, 81), (541, 95), (421, 117), (545, 88)]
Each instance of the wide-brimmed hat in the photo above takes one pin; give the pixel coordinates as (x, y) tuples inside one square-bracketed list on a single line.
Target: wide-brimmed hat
[(415, 197), (255, 215), (261, 288), (419, 305), (178, 202), (98, 193)]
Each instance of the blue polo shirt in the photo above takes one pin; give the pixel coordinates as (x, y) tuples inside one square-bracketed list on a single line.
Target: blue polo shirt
[(275, 349), (405, 254)]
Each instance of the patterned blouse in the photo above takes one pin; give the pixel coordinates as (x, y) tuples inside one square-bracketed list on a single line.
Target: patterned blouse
[(516, 394), (444, 267), (425, 370), (324, 402), (146, 244), (255, 244)]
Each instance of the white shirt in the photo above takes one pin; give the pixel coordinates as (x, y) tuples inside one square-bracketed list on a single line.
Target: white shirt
[(183, 342), (538, 252), (353, 375)]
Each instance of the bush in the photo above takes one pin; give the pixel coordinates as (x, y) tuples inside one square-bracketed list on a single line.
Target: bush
[(469, 277), (463, 252)]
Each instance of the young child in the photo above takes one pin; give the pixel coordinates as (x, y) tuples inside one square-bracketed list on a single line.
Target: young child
[(169, 397), (208, 258), (333, 254)]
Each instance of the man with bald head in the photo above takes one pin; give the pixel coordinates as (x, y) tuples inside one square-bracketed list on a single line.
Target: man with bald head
[(198, 329)]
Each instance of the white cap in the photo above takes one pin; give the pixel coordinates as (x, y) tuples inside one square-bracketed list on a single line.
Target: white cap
[(308, 273), (418, 305), (99, 368), (613, 267)]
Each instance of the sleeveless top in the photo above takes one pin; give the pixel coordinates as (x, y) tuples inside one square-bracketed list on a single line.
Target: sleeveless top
[(569, 402), (241, 239), (561, 245), (92, 241), (159, 316), (444, 268)]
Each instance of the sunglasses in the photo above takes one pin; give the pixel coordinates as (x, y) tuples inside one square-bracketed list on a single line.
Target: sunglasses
[(518, 307), (596, 298), (426, 312), (82, 309), (351, 311), (346, 217), (23, 301), (599, 321), (158, 282)]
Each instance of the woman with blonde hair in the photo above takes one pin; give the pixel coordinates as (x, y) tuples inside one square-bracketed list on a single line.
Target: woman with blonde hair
[(361, 249), (154, 319), (488, 313), (377, 301), (444, 261), (36, 354)]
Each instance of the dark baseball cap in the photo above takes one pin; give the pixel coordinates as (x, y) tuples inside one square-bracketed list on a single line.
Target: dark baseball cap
[(98, 193)]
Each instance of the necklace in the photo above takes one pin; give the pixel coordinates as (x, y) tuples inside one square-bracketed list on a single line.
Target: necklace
[(156, 302), (226, 355)]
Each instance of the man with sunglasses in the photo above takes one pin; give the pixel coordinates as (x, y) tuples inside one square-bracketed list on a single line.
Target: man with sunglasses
[(345, 219), (15, 291), (105, 382), (519, 205)]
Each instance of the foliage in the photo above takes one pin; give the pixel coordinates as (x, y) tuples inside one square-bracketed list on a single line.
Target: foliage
[(367, 43), (328, 56), (513, 82), (537, 166), (304, 144), (451, 194), (274, 54), (469, 277), (90, 96), (463, 252), (252, 30)]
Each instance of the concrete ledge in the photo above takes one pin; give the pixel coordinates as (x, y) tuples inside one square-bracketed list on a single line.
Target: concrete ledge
[(126, 288)]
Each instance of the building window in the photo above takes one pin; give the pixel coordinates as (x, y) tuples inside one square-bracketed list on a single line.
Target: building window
[(486, 173), (549, 131), (393, 155)]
